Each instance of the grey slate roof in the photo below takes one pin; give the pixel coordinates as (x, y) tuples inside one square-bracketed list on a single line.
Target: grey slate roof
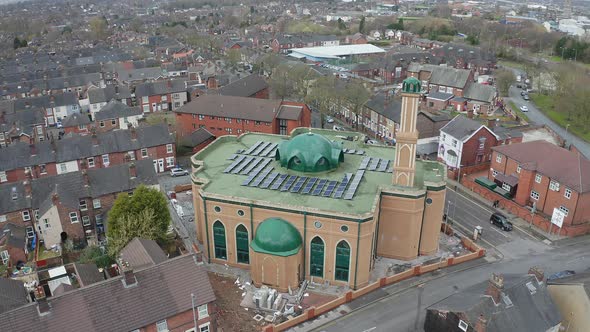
[(116, 109), (528, 312), (19, 155), (142, 253), (232, 107), (440, 95), (24, 121), (13, 236), (244, 87), (76, 119), (480, 92), (140, 74), (88, 274), (199, 136), (103, 95), (57, 100), (12, 295), (160, 88), (289, 112), (461, 127), (162, 291), (390, 109), (448, 76)]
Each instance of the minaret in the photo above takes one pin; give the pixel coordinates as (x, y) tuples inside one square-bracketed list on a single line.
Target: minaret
[(404, 167)]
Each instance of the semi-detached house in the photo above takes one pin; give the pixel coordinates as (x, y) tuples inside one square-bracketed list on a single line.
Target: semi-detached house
[(161, 96), (99, 150)]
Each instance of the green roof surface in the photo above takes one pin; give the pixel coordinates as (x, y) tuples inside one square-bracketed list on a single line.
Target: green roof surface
[(310, 152), (278, 237), (215, 160)]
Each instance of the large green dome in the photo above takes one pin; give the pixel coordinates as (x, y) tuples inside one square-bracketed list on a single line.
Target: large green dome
[(310, 152), (277, 237)]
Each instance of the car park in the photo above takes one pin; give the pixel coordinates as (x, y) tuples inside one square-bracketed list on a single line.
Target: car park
[(501, 221), (177, 171)]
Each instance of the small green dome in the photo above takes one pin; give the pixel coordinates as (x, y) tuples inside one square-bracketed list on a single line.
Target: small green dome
[(277, 237), (310, 152), (411, 85)]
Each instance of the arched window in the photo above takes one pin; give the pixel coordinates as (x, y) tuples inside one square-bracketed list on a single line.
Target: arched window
[(316, 257), (219, 240), (342, 261), (243, 251)]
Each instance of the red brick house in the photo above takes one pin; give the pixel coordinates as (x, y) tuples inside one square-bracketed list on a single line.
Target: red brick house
[(13, 244), (26, 125), (158, 96), (100, 150), (357, 38), (77, 124), (163, 297), (198, 140), (547, 176), (230, 115)]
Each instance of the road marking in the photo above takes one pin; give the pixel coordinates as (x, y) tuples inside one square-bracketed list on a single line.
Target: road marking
[(371, 329), (504, 235)]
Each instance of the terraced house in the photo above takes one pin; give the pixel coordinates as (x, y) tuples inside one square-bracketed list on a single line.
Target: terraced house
[(99, 150)]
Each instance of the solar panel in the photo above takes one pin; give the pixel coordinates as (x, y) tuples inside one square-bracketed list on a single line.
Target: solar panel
[(253, 147), (354, 184), (297, 186), (242, 165), (383, 165), (254, 163), (268, 150), (374, 163), (232, 157), (289, 183), (318, 189), (278, 182), (342, 186), (345, 150), (269, 180), (255, 171), (330, 188), (260, 148), (234, 164), (365, 162), (360, 152), (261, 177), (352, 151), (240, 151), (309, 185)]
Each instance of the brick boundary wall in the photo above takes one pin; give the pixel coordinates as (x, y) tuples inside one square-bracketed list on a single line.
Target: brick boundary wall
[(312, 312)]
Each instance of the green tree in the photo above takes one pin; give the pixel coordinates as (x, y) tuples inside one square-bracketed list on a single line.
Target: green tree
[(16, 43), (99, 28), (144, 214), (233, 57), (94, 254), (324, 96), (280, 83), (356, 95), (362, 25), (504, 79), (136, 24)]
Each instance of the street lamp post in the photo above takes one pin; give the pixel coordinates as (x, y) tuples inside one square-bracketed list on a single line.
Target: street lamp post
[(566, 128), (194, 313)]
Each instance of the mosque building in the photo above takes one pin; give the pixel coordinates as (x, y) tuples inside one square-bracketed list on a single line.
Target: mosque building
[(319, 205)]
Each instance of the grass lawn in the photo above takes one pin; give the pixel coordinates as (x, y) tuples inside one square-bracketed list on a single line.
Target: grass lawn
[(518, 112), (546, 105), (45, 254), (512, 64), (155, 118)]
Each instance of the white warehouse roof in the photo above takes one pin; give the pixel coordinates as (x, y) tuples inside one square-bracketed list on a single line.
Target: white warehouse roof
[(333, 52)]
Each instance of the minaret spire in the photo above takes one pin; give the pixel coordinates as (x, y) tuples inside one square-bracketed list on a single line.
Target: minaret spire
[(404, 167)]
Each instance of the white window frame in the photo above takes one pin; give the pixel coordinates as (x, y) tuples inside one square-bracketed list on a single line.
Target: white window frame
[(463, 326), (83, 205), (3, 218), (498, 158), (90, 162), (98, 219), (506, 186), (85, 220), (205, 327), (162, 326), (538, 178), (533, 194), (131, 155), (518, 168), (3, 177), (74, 217), (494, 173), (169, 148), (554, 185), (96, 203), (101, 124), (567, 193), (203, 311), (107, 161), (144, 155), (170, 162), (201, 117), (43, 169), (46, 223), (5, 256), (564, 210), (26, 215)]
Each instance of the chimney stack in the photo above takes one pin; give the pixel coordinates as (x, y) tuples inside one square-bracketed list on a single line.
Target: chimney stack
[(55, 198), (132, 171), (133, 133), (129, 279), (116, 89), (28, 187), (94, 139), (169, 83), (480, 325), (492, 123), (33, 149), (86, 178), (538, 272), (495, 287), (3, 117), (43, 307)]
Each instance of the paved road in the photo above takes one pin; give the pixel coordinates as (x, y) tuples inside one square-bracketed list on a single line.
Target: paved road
[(539, 118), (183, 225)]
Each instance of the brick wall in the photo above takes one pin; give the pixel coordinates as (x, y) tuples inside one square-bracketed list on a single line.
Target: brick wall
[(187, 123), (262, 94), (106, 125), (185, 321), (471, 150)]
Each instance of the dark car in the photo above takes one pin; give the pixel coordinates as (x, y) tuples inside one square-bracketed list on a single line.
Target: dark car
[(501, 221), (526, 97), (561, 274)]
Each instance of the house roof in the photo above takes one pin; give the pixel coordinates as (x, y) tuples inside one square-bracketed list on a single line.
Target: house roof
[(140, 74), (116, 109), (233, 107), (199, 136), (440, 95), (290, 112), (461, 128), (159, 88), (76, 119), (559, 164), (57, 100), (333, 52), (141, 253), (480, 92), (162, 291), (110, 92), (390, 108), (519, 310), (12, 295), (88, 274), (448, 76), (22, 122), (244, 87), (13, 236)]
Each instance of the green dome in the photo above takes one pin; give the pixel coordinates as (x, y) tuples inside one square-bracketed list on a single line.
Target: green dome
[(411, 85), (277, 237), (310, 152)]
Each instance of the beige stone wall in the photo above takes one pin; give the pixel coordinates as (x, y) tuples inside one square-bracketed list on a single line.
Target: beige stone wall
[(399, 227), (275, 271), (433, 213), (573, 303)]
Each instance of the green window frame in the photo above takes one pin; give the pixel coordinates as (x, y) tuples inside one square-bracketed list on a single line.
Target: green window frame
[(316, 257), (342, 265), (219, 240), (242, 247)]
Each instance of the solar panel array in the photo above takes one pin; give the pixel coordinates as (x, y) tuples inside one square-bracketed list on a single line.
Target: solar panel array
[(376, 164), (353, 151), (354, 184), (342, 186)]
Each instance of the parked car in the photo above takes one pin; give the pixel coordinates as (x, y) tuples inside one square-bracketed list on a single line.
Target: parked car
[(524, 108), (561, 274), (338, 128), (526, 97), (329, 119), (522, 93), (58, 124), (177, 171), (501, 221), (372, 142)]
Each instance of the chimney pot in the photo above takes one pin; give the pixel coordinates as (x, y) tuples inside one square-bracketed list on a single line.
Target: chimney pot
[(538, 272), (27, 185), (132, 171), (480, 325), (86, 178), (43, 306), (55, 198), (129, 279), (495, 287), (33, 149)]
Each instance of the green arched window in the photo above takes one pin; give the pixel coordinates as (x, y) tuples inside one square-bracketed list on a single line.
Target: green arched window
[(316, 257), (219, 240), (242, 248), (342, 261)]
